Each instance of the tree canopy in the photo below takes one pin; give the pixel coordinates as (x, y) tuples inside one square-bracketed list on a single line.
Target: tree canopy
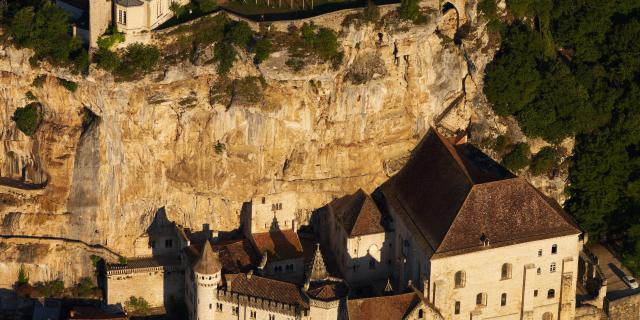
[(572, 68)]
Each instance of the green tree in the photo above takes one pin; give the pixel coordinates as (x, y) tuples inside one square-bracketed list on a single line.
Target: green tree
[(137, 305), (517, 158), (409, 10), (27, 118), (543, 161), (137, 60), (178, 10), (263, 49), (225, 55), (46, 31), (23, 277), (240, 33), (207, 6), (325, 43)]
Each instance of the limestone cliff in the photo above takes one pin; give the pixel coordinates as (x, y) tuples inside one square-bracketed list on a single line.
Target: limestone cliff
[(113, 153)]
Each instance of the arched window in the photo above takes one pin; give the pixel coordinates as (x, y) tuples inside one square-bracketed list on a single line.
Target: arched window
[(481, 299), (460, 279), (551, 294), (547, 316), (503, 299), (420, 314), (506, 271), (554, 249)]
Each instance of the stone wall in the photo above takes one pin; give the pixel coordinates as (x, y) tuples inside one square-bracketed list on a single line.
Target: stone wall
[(627, 308), (155, 286)]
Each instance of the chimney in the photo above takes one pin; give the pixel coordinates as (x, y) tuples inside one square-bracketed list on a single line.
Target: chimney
[(215, 235)]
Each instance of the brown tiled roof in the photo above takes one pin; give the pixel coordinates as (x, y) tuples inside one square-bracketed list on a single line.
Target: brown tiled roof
[(382, 308), (279, 245), (327, 290), (235, 255), (259, 287), (451, 195), (209, 262), (358, 214)]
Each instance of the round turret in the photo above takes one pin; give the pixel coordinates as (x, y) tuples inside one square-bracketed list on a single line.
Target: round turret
[(207, 273)]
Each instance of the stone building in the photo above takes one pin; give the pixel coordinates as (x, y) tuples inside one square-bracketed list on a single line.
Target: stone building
[(479, 241), (453, 235), (354, 228), (139, 16), (91, 18)]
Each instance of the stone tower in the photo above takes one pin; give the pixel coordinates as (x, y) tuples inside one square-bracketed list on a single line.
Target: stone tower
[(207, 274)]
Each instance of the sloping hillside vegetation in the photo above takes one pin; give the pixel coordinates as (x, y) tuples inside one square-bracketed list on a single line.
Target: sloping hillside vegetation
[(572, 68)]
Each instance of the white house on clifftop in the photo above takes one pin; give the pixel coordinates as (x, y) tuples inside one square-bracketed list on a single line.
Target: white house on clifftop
[(91, 18)]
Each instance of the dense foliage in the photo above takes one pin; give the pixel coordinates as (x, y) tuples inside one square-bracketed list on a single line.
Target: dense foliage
[(137, 305), (27, 118), (573, 69), (517, 158), (543, 161), (45, 29)]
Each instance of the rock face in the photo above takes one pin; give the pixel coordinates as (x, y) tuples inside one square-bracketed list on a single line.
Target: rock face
[(162, 142)]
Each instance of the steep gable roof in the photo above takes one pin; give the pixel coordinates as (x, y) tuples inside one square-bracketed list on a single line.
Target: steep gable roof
[(265, 288), (450, 195), (279, 245), (209, 262), (358, 214)]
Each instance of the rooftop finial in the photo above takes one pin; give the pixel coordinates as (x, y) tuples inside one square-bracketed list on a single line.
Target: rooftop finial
[(318, 270)]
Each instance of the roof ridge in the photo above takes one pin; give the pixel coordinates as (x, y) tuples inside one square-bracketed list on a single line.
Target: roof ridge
[(454, 154), (466, 198)]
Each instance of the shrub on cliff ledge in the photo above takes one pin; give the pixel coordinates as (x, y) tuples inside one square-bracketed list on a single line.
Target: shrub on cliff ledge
[(27, 118), (517, 158), (137, 60), (543, 161)]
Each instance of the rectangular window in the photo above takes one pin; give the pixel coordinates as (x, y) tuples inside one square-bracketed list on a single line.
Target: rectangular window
[(219, 307), (457, 308), (124, 17), (552, 267), (168, 243), (535, 293), (252, 314), (234, 311), (272, 317), (540, 253)]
